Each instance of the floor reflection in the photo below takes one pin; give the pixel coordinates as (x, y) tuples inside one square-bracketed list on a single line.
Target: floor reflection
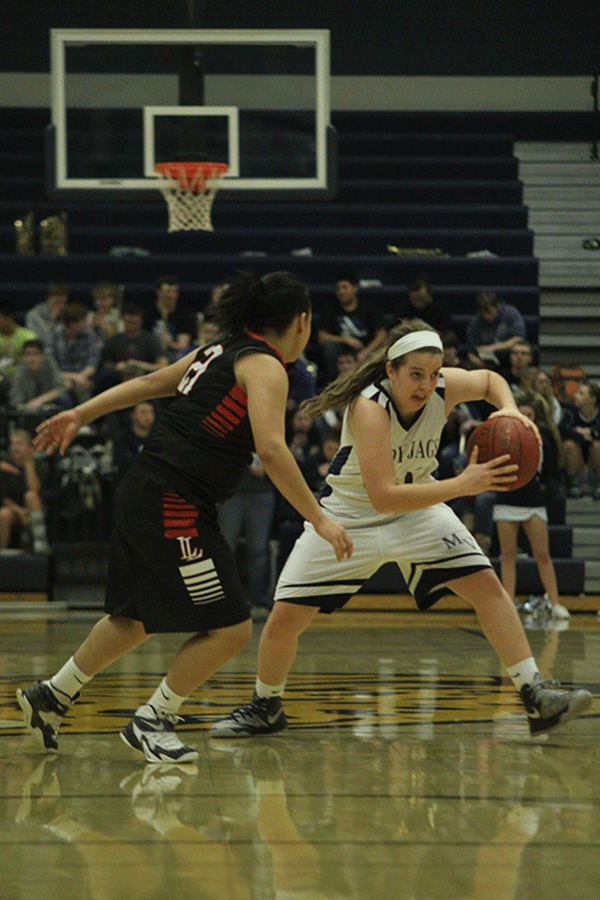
[(408, 773), (306, 819)]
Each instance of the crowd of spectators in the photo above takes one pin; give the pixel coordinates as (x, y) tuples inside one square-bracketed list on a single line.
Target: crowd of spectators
[(67, 350), (59, 353)]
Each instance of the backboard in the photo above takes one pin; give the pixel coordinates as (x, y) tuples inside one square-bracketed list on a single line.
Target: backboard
[(258, 100)]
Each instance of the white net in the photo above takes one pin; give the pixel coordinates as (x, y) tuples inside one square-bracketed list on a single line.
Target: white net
[(189, 195)]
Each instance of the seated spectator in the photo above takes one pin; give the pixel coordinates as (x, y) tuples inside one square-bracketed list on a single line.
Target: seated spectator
[(213, 301), (302, 384), (37, 381), (526, 508), (420, 304), (492, 331), (519, 361), (75, 350), (347, 361), (348, 319), (580, 431), (208, 330), (175, 327), (132, 345), (104, 319), (22, 521), (302, 436), (12, 338), (129, 440), (536, 380), (44, 316), (452, 351), (317, 465)]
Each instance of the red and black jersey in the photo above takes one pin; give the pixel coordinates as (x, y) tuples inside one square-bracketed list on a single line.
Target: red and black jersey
[(203, 442)]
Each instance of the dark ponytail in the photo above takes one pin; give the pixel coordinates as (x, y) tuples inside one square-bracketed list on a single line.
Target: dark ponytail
[(250, 303)]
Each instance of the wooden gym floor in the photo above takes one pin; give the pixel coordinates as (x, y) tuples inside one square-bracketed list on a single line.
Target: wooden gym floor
[(407, 772)]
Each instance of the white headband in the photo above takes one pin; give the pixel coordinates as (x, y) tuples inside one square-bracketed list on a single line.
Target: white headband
[(415, 340)]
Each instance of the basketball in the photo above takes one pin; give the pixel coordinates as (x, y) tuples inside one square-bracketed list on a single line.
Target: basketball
[(506, 434)]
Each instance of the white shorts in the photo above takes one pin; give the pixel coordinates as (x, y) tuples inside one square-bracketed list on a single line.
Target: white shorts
[(504, 512), (430, 546)]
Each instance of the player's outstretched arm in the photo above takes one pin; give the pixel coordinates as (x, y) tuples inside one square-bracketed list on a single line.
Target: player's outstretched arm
[(57, 432)]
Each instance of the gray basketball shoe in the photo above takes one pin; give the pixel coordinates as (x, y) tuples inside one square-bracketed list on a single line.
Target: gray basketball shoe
[(260, 716), (548, 704)]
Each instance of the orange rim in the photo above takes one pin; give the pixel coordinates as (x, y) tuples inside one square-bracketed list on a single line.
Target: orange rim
[(191, 169)]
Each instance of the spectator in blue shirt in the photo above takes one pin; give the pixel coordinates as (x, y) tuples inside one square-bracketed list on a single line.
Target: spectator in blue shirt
[(75, 350), (492, 331), (130, 439)]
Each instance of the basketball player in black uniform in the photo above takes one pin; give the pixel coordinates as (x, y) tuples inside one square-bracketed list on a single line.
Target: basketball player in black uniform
[(170, 569)]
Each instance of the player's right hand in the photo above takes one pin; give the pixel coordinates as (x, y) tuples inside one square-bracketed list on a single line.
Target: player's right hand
[(337, 536), (496, 475), (57, 432)]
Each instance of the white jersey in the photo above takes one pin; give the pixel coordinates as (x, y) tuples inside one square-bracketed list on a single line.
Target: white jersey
[(414, 449), (430, 546)]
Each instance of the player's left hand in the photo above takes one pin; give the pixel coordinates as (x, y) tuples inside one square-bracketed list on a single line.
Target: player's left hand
[(57, 432), (337, 536), (512, 411)]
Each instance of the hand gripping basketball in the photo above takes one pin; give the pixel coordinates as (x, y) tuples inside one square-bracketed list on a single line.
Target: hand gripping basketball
[(507, 434)]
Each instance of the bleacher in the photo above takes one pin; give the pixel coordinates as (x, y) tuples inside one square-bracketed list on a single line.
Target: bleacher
[(443, 194), (437, 187)]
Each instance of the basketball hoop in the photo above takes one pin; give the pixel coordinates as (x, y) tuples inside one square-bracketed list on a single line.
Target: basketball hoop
[(189, 189)]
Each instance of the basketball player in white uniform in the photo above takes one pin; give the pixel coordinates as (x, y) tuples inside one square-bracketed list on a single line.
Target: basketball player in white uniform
[(381, 488)]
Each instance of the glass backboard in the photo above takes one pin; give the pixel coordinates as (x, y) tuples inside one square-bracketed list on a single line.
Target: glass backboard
[(258, 100)]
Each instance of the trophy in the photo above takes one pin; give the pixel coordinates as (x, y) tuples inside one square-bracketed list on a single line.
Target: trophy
[(53, 235), (24, 236)]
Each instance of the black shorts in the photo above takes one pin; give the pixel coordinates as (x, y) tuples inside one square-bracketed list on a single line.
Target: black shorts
[(582, 443), (169, 566)]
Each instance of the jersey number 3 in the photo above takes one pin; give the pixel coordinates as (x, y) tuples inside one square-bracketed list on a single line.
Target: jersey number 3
[(198, 368)]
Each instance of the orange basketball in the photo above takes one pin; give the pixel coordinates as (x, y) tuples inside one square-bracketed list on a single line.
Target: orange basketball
[(507, 434)]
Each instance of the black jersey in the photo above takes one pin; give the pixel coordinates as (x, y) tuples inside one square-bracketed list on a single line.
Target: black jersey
[(203, 442)]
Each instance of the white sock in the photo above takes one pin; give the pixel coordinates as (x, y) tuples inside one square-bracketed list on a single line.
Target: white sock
[(164, 701), (265, 691), (270, 788), (524, 819), (67, 827), (68, 681), (523, 673)]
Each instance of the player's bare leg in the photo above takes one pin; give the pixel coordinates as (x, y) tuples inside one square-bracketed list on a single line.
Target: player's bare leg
[(202, 655), (109, 639), (496, 614), (508, 537), (279, 640), (152, 728), (276, 653)]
